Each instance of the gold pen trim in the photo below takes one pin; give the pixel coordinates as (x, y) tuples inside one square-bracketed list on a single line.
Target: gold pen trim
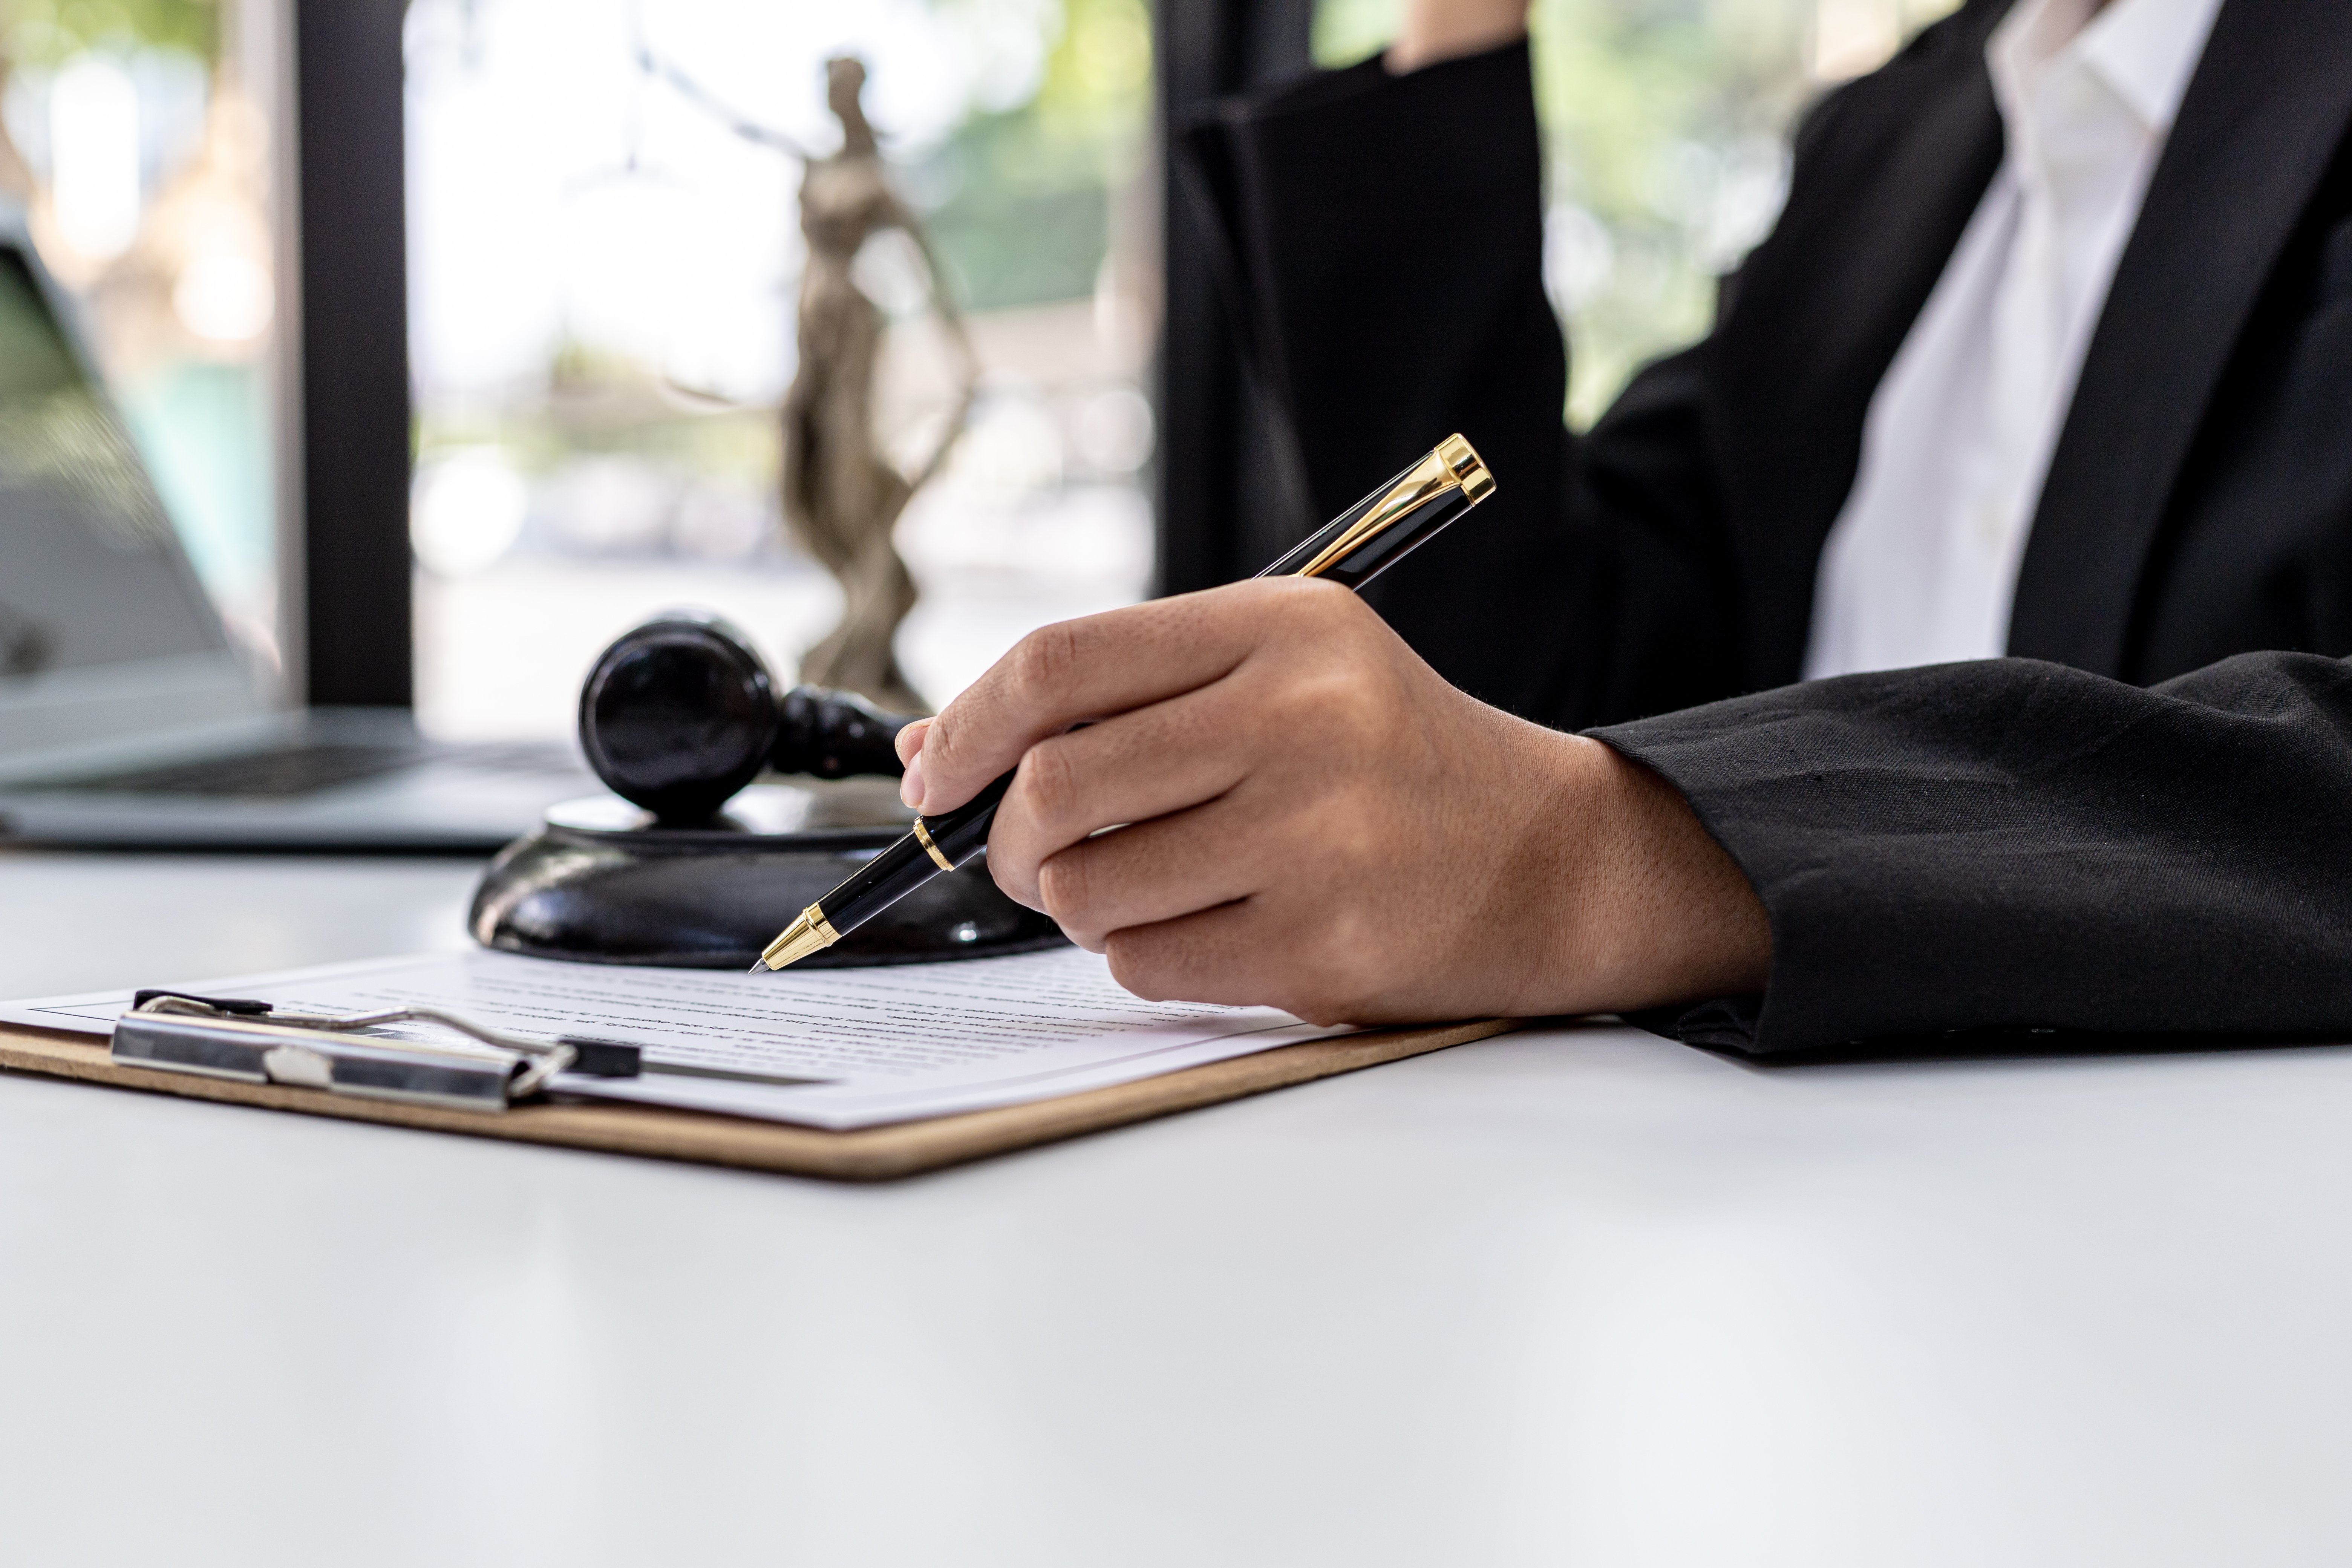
[(1468, 469), (923, 837), (810, 933), (1451, 465)]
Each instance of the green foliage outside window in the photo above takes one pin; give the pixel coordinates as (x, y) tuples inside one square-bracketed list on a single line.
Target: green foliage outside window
[(50, 31), (1664, 124), (1020, 200)]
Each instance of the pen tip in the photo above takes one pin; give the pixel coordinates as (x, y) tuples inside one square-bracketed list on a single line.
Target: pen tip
[(759, 966)]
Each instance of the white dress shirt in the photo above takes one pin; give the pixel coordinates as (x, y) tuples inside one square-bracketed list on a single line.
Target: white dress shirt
[(1921, 566)]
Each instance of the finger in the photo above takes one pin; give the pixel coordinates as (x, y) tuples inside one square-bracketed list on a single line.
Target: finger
[(1158, 870), (1138, 766), (910, 742), (1098, 666), (1243, 954), (909, 739)]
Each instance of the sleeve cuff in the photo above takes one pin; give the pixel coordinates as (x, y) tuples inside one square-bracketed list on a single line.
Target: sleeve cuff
[(1965, 856)]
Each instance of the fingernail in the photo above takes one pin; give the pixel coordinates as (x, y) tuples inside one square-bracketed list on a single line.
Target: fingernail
[(910, 787)]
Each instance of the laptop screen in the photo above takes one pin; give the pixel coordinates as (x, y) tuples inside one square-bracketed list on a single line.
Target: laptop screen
[(90, 572)]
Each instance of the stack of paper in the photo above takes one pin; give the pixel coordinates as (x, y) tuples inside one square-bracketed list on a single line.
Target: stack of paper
[(826, 1048)]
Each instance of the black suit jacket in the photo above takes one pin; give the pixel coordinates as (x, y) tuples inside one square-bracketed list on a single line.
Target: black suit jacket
[(2038, 842)]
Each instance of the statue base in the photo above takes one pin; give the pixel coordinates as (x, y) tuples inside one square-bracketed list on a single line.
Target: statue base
[(601, 883)]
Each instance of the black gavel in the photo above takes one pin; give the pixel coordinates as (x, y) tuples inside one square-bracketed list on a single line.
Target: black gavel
[(680, 713)]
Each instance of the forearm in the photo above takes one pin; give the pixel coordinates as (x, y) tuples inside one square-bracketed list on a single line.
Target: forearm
[(2008, 844)]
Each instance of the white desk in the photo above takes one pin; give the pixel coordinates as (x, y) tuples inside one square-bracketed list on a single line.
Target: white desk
[(1563, 1297)]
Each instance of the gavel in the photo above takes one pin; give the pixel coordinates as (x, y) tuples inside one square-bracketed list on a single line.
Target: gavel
[(680, 713)]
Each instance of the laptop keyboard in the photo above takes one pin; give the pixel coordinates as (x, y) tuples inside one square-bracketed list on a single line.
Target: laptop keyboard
[(297, 770)]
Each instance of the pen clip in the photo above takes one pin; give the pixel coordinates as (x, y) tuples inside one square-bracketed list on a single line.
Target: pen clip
[(1450, 465)]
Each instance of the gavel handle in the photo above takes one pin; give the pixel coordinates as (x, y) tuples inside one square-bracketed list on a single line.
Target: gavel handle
[(834, 735)]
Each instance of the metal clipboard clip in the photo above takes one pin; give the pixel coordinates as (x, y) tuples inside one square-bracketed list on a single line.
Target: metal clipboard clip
[(253, 1042)]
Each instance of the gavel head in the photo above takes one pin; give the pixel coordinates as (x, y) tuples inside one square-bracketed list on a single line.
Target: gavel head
[(680, 713), (677, 715)]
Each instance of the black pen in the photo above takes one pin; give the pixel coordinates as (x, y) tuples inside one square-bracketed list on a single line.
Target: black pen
[(1355, 547)]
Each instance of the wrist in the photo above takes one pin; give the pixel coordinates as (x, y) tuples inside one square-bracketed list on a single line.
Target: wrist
[(1655, 911)]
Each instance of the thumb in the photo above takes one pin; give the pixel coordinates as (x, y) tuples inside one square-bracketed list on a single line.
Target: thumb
[(910, 742)]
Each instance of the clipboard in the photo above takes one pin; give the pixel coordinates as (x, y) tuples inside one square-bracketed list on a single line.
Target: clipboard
[(866, 1155)]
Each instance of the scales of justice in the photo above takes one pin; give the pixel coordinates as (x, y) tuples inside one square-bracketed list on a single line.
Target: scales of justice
[(688, 861)]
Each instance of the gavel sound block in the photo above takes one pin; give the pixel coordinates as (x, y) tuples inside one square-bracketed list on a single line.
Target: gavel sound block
[(688, 862)]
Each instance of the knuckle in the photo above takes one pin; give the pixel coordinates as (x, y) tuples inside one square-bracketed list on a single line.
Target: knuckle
[(942, 744), (1139, 963), (1348, 862), (1047, 661), (1357, 702), (1305, 595), (1008, 872), (1326, 606), (1347, 709), (1065, 886), (1051, 781), (941, 754), (1338, 970)]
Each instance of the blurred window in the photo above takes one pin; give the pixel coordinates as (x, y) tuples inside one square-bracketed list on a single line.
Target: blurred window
[(604, 259), (134, 142), (1666, 125)]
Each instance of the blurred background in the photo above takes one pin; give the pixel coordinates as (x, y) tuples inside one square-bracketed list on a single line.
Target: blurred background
[(602, 269), (135, 140)]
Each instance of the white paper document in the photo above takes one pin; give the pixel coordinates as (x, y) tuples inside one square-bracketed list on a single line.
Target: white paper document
[(868, 1045)]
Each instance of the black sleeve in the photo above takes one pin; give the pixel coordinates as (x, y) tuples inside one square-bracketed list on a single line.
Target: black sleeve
[(1387, 235), (2010, 845)]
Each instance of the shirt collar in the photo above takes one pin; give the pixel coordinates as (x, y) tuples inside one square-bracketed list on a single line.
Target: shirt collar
[(2144, 50)]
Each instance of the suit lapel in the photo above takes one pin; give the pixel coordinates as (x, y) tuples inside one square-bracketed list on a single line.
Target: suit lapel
[(2263, 117), (1815, 316)]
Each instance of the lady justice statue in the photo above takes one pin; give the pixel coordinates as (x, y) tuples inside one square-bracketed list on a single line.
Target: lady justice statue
[(842, 498)]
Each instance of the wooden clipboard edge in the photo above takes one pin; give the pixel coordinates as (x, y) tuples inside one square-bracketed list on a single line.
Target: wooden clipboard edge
[(867, 1154)]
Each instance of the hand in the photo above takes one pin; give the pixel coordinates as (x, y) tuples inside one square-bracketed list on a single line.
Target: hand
[(1316, 821), (1435, 30)]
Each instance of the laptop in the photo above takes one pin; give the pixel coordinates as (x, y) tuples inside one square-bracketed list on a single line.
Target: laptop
[(128, 715)]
